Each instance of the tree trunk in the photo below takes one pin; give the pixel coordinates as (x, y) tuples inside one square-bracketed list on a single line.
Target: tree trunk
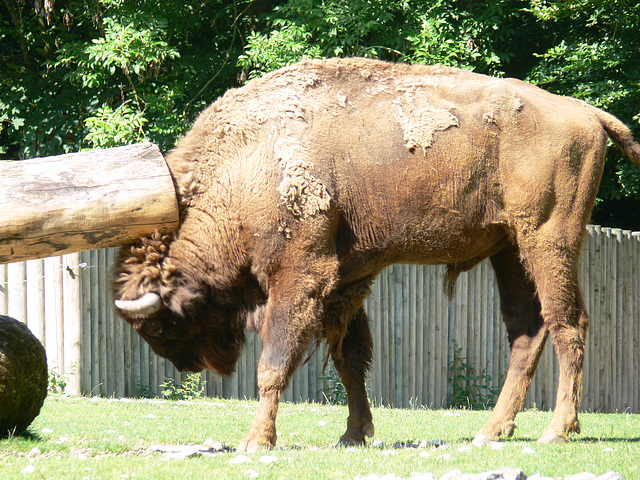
[(81, 201)]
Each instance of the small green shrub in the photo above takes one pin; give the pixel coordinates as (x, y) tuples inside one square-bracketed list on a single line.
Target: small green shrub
[(144, 391), (469, 389), (333, 388), (191, 387), (57, 381)]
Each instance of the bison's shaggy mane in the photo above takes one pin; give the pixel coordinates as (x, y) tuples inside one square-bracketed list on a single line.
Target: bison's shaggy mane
[(139, 266)]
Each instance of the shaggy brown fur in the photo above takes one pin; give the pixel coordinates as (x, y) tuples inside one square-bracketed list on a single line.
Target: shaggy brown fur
[(297, 189)]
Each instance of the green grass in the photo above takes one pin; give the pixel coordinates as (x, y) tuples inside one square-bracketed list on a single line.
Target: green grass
[(83, 438)]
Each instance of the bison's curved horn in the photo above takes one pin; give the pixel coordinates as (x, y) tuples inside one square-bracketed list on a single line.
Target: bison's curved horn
[(148, 304)]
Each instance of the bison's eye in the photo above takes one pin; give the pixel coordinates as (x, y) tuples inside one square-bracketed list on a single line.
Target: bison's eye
[(150, 328)]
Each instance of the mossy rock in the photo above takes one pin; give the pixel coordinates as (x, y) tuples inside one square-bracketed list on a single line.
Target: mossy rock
[(23, 376)]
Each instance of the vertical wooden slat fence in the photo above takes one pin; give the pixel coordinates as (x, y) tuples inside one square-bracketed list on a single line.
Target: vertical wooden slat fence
[(66, 302)]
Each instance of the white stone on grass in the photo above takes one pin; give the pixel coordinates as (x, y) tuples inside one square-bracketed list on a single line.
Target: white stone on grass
[(267, 459)]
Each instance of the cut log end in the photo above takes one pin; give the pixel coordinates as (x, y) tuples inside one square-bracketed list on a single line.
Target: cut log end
[(82, 201)]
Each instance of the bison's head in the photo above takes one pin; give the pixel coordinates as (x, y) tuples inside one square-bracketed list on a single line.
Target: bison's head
[(176, 314)]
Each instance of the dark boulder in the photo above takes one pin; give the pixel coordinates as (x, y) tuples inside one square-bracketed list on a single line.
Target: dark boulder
[(23, 376)]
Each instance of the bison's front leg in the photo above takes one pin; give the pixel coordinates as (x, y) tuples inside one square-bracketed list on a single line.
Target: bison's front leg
[(281, 356), (263, 429), (291, 320)]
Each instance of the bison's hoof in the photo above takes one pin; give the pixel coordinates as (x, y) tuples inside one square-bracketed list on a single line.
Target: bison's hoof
[(576, 427), (509, 428), (553, 438), (481, 440), (355, 437), (349, 441), (255, 443)]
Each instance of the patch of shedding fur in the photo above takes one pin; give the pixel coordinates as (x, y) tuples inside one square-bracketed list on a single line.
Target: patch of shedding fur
[(258, 113), (302, 193), (503, 108), (420, 120), (518, 104), (490, 117), (291, 107), (284, 230)]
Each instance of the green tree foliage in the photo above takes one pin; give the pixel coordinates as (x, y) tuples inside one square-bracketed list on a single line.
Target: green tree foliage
[(98, 73), (474, 35), (592, 54)]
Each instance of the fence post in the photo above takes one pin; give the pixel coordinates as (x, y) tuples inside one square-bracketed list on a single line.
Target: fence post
[(72, 308), (17, 291), (4, 288)]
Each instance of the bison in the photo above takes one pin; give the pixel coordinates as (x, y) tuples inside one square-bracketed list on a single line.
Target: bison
[(297, 189)]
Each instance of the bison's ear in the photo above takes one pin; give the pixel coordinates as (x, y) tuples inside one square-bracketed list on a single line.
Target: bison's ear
[(182, 297)]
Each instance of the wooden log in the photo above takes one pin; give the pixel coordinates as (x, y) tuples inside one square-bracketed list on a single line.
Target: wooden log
[(81, 201)]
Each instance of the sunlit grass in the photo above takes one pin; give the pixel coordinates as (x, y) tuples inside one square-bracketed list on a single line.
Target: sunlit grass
[(79, 438)]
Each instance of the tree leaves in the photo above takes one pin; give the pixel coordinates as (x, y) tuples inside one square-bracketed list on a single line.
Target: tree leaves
[(71, 80)]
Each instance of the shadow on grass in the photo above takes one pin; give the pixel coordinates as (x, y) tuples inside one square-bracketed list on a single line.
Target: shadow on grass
[(572, 440), (607, 439), (24, 435)]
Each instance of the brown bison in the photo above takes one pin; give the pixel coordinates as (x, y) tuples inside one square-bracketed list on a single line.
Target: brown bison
[(297, 189)]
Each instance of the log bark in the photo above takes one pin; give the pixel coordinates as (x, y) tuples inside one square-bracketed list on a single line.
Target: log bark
[(82, 201)]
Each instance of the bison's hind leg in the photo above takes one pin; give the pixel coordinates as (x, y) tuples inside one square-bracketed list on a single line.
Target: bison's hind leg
[(551, 257), (527, 334), (352, 360)]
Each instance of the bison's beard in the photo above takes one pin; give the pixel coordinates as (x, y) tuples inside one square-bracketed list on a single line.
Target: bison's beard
[(194, 342), (215, 346), (203, 352), (221, 354)]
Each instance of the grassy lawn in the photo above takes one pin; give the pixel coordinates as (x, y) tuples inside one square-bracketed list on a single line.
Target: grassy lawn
[(84, 438)]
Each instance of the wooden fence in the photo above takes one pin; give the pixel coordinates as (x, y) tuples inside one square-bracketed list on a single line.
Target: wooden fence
[(66, 302)]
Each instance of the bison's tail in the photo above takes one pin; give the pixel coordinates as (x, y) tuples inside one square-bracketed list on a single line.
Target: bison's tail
[(621, 134)]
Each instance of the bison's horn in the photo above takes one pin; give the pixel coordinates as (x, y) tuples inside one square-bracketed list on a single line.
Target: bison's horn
[(148, 304)]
